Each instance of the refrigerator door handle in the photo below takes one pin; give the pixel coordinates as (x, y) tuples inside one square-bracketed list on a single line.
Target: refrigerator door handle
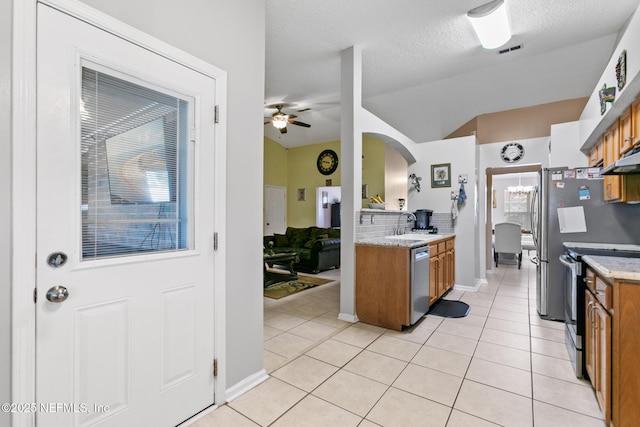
[(534, 228)]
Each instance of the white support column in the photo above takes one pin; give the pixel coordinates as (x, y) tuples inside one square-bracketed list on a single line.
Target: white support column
[(351, 178)]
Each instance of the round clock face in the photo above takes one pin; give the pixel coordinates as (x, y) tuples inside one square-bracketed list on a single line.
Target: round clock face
[(512, 152), (327, 162)]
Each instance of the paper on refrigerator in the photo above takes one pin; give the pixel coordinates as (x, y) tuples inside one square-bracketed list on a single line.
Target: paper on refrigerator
[(572, 220)]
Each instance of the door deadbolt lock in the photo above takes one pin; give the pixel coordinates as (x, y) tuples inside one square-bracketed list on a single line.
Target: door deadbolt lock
[(57, 294), (57, 259)]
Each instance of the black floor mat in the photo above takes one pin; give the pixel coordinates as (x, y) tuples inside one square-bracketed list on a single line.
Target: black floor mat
[(448, 308)]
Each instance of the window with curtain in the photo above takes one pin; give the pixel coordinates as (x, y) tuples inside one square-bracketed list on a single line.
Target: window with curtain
[(137, 163)]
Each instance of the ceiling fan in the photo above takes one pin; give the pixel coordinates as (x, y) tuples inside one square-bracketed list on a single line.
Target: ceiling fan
[(280, 120)]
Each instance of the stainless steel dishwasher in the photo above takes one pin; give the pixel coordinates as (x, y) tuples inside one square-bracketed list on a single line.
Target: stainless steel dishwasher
[(419, 282)]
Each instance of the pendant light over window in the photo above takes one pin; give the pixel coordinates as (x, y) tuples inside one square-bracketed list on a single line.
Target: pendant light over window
[(491, 24)]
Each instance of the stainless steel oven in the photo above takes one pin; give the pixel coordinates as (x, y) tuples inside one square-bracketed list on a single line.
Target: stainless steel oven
[(574, 309), (574, 285)]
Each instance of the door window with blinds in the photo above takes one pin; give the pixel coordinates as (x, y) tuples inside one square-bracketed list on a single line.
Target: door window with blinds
[(137, 166)]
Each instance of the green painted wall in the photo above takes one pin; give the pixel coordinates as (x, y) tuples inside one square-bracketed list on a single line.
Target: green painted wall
[(373, 167), (275, 163), (295, 168), (303, 173)]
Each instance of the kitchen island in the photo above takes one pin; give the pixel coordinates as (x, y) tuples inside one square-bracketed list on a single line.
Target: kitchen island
[(383, 279), (612, 336)]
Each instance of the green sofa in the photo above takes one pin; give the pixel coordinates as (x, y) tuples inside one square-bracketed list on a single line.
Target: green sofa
[(318, 248)]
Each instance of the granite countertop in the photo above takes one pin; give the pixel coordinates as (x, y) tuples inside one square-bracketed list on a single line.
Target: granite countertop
[(615, 268), (602, 246), (410, 240)]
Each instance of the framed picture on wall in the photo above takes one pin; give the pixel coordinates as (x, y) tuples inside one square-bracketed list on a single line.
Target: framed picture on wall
[(302, 194), (441, 175)]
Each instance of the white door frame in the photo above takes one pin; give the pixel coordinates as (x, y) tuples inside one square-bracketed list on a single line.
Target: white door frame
[(23, 190)]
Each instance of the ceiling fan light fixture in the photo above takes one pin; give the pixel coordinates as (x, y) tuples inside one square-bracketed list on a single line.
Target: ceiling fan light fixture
[(280, 121), (491, 24)]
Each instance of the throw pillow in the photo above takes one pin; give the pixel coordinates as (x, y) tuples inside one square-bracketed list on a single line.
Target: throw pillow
[(309, 243), (281, 240)]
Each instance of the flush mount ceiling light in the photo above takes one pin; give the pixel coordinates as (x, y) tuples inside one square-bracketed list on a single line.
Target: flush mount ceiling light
[(491, 24)]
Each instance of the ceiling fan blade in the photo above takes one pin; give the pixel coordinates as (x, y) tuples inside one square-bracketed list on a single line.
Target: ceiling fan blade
[(283, 130), (295, 122)]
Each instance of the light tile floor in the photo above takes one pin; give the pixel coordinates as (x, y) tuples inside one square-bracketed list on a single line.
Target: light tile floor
[(500, 365)]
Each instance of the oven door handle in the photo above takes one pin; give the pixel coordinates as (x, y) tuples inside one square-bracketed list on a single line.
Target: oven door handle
[(566, 261)]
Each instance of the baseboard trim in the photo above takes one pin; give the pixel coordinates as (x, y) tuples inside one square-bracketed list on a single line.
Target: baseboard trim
[(474, 288), (352, 318), (245, 385)]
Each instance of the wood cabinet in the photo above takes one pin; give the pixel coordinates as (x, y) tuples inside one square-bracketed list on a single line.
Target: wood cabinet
[(598, 351), (442, 268), (612, 347), (611, 153), (635, 121), (596, 154), (383, 282), (383, 285), (625, 141), (617, 188)]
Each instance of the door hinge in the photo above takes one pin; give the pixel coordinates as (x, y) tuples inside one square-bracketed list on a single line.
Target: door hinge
[(216, 114), (215, 367), (35, 295), (215, 241)]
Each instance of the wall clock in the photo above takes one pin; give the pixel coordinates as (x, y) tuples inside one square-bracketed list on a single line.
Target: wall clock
[(512, 152), (327, 162)]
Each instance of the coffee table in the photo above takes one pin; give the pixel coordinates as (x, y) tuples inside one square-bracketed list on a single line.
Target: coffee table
[(283, 258)]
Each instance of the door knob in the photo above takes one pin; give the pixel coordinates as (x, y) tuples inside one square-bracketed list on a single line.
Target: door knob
[(57, 294)]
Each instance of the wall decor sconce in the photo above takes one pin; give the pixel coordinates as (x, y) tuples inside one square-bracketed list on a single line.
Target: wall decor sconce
[(491, 24), (415, 181)]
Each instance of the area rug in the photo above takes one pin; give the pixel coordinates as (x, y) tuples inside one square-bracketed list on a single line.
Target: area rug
[(449, 308), (284, 289)]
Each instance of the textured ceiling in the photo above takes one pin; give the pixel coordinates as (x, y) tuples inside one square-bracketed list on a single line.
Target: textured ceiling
[(424, 71)]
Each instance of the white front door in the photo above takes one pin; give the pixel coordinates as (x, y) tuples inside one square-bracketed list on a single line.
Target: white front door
[(125, 223), (275, 210)]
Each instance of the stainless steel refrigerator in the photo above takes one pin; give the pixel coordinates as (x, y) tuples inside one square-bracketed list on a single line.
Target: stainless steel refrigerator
[(568, 206)]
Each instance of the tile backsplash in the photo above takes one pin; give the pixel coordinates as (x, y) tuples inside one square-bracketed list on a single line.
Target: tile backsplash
[(372, 223)]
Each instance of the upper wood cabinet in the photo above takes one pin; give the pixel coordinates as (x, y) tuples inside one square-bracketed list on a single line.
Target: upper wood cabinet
[(617, 188), (596, 154), (635, 121), (612, 183), (625, 140)]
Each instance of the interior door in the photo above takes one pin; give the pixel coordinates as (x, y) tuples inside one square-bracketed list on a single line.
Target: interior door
[(125, 223), (275, 210)]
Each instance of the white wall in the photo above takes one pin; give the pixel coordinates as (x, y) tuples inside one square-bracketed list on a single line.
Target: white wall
[(460, 152), (5, 208), (204, 28), (565, 146)]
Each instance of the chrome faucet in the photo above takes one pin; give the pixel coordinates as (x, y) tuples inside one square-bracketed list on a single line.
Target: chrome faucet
[(398, 230)]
